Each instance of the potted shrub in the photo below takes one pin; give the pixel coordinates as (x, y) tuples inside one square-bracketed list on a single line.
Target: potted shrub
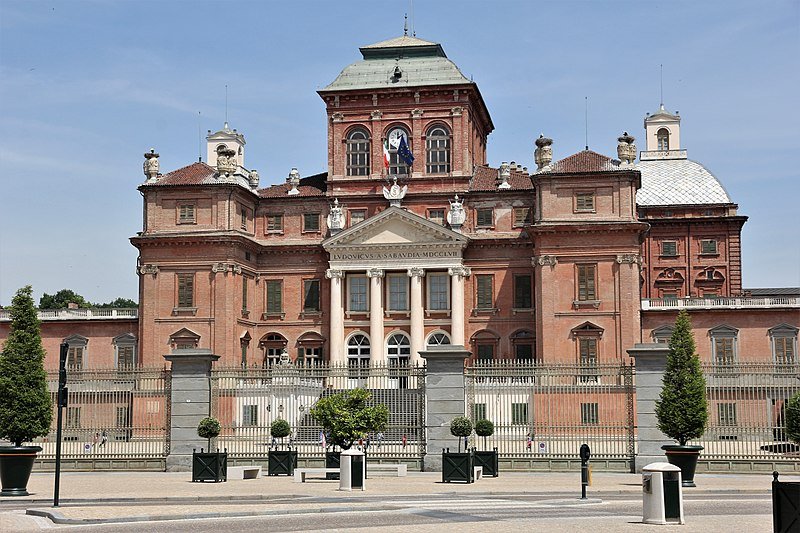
[(682, 408), (281, 462), (26, 409), (458, 466), (208, 465), (346, 417), (488, 459)]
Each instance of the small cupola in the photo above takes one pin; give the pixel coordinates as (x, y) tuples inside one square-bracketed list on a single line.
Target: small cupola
[(225, 139), (663, 132)]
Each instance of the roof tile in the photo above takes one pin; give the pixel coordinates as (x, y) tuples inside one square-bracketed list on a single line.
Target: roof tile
[(486, 179), (585, 161)]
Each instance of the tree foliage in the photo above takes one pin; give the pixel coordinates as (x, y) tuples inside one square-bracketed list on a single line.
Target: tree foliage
[(26, 409), (280, 428), (208, 428), (793, 418), (347, 416), (62, 299), (484, 428), (118, 303), (682, 409), (460, 426)]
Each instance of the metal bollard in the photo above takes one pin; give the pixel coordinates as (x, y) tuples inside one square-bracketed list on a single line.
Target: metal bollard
[(585, 454)]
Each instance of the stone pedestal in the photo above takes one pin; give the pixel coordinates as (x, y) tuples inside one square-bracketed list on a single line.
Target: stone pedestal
[(651, 362), (444, 399), (191, 402)]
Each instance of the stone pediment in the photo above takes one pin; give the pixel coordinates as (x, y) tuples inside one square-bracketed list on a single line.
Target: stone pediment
[(395, 238)]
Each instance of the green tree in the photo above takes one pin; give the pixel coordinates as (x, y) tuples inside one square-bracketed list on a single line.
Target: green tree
[(347, 416), (208, 428), (793, 418), (62, 299), (119, 303), (279, 429), (682, 409), (460, 427), (25, 406), (484, 428)]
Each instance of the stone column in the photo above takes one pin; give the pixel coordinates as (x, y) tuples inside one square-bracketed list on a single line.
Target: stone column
[(375, 276), (191, 402), (444, 399), (417, 314), (457, 276), (337, 316), (651, 362)]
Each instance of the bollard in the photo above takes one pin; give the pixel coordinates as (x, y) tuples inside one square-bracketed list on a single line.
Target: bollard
[(585, 454)]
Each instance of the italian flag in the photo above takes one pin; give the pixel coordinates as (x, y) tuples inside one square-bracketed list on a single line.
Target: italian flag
[(386, 153)]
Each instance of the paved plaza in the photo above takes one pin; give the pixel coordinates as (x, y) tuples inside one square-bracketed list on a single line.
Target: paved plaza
[(154, 501)]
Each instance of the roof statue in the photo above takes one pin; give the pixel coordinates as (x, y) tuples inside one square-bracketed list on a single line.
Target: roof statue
[(395, 193)]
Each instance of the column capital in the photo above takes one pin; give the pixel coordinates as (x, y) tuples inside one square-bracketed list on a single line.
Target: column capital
[(464, 272), (375, 273), (416, 272), (334, 273)]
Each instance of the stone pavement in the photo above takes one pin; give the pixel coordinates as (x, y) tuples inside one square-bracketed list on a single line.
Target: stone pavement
[(123, 497)]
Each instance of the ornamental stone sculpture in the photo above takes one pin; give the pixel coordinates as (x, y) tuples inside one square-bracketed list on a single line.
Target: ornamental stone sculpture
[(505, 174), (151, 165), (626, 150), (395, 193), (226, 161), (335, 218), (253, 179), (457, 215), (294, 181), (543, 155)]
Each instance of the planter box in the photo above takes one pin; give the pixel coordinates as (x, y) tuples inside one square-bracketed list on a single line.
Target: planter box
[(282, 462), (332, 461), (457, 466), (785, 509), (209, 466), (489, 460), (685, 458), (16, 463)]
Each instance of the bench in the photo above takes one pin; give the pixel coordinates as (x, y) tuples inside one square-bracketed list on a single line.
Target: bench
[(478, 472), (397, 470), (244, 472), (301, 473)]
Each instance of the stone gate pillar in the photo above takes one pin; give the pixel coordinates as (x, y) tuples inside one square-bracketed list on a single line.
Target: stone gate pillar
[(651, 362), (444, 400), (191, 402)]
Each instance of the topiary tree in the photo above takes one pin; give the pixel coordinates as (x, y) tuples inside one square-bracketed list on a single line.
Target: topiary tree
[(208, 428), (280, 428), (484, 428), (460, 427), (682, 408), (26, 409), (793, 418), (347, 416)]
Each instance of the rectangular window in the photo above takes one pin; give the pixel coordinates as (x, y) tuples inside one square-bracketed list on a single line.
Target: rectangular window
[(244, 293), (311, 222), (75, 356), (249, 415), (357, 215), (523, 295), (244, 346), (436, 215), (274, 296), (726, 414), (479, 411), (485, 218), (397, 288), (125, 356), (708, 246), (185, 290), (584, 201), (186, 214), (588, 360), (311, 295), (437, 292), (670, 295), (669, 248), (244, 217), (357, 293), (589, 414), (519, 414), (123, 417), (485, 292), (73, 417), (485, 352), (275, 223), (784, 350), (586, 283), (310, 355), (523, 216), (523, 352), (724, 351)]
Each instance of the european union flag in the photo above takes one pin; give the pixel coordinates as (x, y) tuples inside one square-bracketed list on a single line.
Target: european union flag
[(404, 153)]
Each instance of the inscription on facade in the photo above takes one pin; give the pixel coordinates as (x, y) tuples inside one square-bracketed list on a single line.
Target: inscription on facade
[(425, 254)]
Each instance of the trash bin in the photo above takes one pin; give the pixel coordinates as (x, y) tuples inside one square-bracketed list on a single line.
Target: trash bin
[(662, 494), (351, 470)]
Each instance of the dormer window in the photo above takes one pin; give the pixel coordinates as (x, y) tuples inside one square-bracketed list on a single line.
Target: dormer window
[(358, 153), (662, 136)]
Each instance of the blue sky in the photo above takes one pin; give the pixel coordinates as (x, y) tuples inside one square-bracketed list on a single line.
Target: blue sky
[(86, 87)]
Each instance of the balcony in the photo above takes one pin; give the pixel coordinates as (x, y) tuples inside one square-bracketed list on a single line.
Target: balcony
[(47, 315), (668, 304)]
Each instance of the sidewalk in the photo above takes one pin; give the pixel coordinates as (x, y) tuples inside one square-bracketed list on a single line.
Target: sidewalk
[(119, 497)]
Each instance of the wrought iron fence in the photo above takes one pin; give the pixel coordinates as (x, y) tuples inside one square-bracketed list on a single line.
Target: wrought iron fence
[(548, 411), (247, 400), (747, 410), (112, 414)]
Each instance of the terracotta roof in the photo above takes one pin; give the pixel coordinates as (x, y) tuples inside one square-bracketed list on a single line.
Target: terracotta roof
[(487, 178), (309, 186), (194, 174), (585, 161)]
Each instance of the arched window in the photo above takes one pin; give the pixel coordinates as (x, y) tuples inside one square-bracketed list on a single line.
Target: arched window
[(524, 345), (663, 139), (358, 153), (437, 148), (396, 164), (438, 339), (273, 345), (398, 347), (358, 351)]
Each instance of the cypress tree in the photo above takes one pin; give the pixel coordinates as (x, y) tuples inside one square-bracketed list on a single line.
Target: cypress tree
[(25, 405), (682, 409)]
